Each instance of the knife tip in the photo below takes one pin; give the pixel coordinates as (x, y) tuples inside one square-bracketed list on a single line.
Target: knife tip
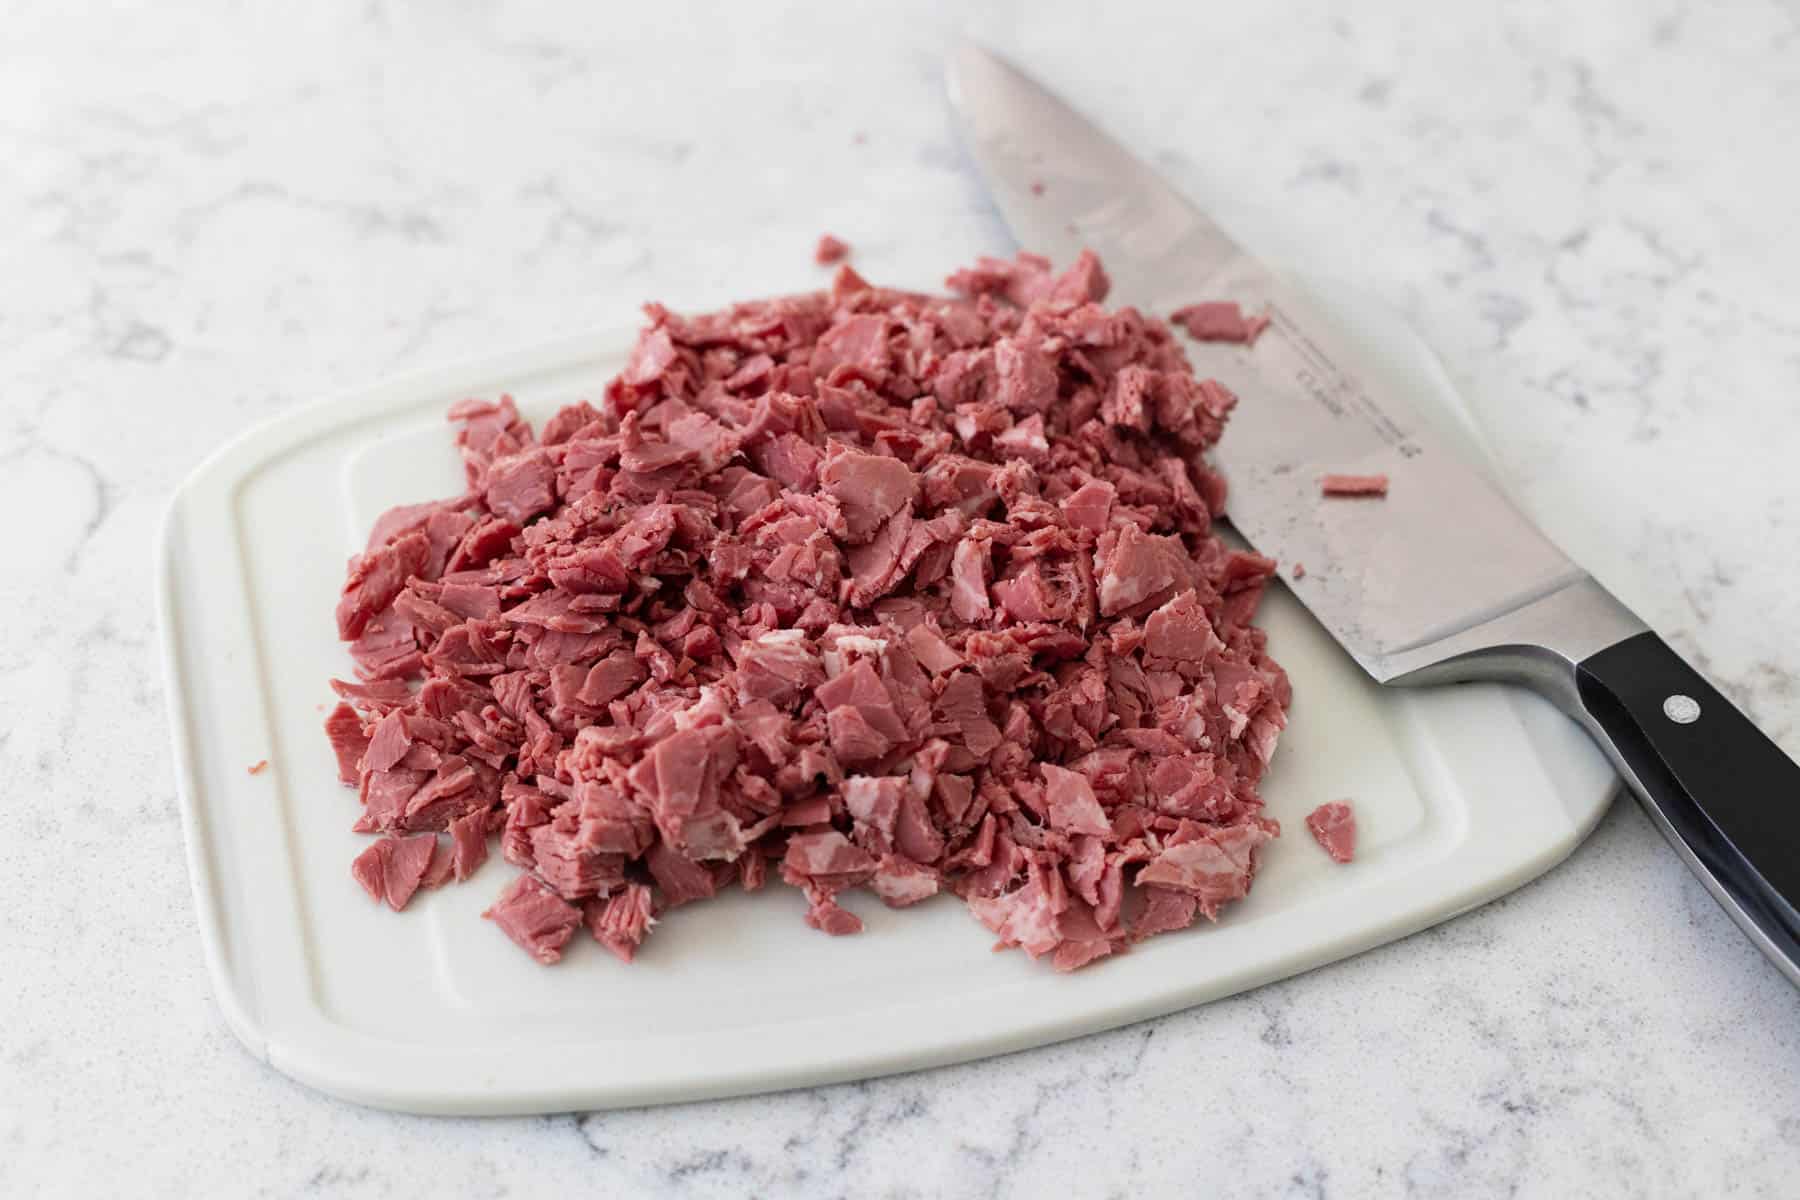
[(967, 62)]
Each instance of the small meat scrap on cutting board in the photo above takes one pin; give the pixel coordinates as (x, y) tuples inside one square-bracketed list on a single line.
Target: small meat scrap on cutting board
[(1333, 826), (830, 250), (1219, 321), (1354, 485)]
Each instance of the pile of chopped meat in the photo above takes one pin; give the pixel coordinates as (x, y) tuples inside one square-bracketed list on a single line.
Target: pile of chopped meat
[(861, 590)]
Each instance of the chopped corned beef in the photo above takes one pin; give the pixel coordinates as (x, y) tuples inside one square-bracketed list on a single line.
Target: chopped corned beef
[(865, 589), (620, 921), (830, 250), (468, 843), (391, 869), (1333, 826), (1219, 321), (535, 917), (1354, 485), (258, 767)]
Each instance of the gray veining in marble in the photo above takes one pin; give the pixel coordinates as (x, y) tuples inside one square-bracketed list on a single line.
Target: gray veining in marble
[(210, 213)]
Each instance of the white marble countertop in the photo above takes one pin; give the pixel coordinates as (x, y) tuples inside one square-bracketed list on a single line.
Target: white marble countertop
[(207, 217)]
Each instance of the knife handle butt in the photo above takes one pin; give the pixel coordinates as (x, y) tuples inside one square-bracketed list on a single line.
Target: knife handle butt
[(1723, 793)]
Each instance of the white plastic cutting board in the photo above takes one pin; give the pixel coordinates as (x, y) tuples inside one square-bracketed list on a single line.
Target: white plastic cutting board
[(1461, 794)]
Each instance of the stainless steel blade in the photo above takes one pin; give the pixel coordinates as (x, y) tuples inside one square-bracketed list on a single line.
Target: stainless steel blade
[(1444, 551), (1061, 184)]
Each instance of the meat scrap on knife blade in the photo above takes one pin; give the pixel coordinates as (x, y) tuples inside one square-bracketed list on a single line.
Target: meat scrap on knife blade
[(863, 591), (1219, 321), (1374, 486)]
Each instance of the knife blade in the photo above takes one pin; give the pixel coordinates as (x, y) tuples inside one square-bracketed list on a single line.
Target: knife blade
[(1444, 579)]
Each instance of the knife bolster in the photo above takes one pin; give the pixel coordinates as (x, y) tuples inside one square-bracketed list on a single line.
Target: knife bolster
[(1538, 644)]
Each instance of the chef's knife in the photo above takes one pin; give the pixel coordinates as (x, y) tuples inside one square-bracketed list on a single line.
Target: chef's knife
[(1441, 581)]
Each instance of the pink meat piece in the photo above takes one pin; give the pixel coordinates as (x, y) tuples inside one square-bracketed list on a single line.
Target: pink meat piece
[(1025, 440), (1090, 506), (402, 518), (896, 592), (374, 697), (826, 852), (348, 741), (1084, 281), (534, 917), (566, 859), (1353, 485), (565, 425), (860, 715), (900, 882), (622, 921), (1070, 799), (1130, 402), (680, 781), (650, 358), (915, 833), (874, 805), (824, 914), (388, 647), (1028, 917), (875, 566), (489, 430), (440, 869), (521, 486), (1022, 282), (487, 540), (1214, 868), (1333, 826), (680, 879), (830, 250), (1181, 629), (1025, 376), (445, 530), (375, 579), (385, 796), (869, 488), (1164, 912), (858, 343), (962, 704), (391, 869), (611, 678), (468, 843), (1219, 321), (1135, 568), (969, 572), (931, 651)]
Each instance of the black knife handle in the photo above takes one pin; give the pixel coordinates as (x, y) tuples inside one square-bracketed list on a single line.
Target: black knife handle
[(1718, 786)]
